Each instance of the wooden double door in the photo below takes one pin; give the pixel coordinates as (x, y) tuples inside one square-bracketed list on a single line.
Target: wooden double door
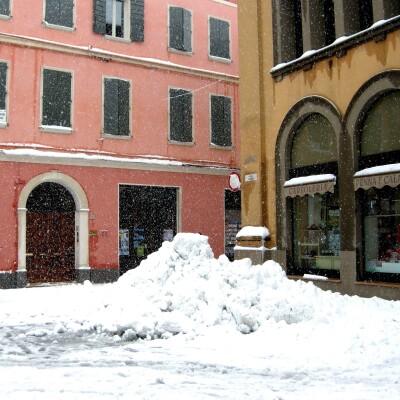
[(50, 246)]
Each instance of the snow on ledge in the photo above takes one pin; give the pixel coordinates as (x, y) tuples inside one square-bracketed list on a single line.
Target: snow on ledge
[(380, 170), (315, 277), (303, 180), (248, 231)]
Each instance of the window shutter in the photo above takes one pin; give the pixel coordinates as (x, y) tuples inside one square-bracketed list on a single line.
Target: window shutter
[(227, 137), (5, 7), (123, 107), (219, 38), (187, 30), (99, 16), (187, 117), (3, 85), (137, 20), (221, 121), (224, 39), (175, 28), (180, 115), (66, 13), (111, 106)]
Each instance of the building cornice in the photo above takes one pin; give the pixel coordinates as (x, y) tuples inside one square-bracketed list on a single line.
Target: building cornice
[(25, 155), (104, 55)]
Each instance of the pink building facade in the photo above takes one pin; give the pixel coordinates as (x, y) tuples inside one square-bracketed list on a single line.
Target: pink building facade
[(118, 129)]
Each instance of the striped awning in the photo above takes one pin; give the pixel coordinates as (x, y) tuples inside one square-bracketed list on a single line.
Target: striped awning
[(378, 177), (309, 185)]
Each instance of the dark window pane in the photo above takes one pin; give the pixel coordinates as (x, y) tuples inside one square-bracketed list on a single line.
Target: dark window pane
[(221, 121), (180, 115), (116, 107), (3, 88), (219, 38), (56, 108), (60, 12), (119, 18), (4, 7)]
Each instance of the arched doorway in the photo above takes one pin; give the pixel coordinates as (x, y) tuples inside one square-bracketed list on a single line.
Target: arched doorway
[(50, 234)]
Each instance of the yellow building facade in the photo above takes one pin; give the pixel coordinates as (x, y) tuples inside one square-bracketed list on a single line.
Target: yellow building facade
[(320, 140)]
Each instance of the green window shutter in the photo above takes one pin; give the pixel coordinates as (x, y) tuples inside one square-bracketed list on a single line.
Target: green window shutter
[(181, 115), (60, 12), (137, 20), (123, 107), (56, 100), (3, 85), (99, 16), (219, 38), (221, 121), (111, 106), (4, 7), (187, 30)]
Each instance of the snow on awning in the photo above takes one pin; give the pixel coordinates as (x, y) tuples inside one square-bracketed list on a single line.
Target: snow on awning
[(309, 185), (378, 177)]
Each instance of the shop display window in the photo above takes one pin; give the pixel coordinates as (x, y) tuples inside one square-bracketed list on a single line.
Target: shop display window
[(316, 236), (381, 234)]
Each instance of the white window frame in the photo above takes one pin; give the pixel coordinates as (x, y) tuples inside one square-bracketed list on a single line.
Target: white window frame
[(171, 49), (215, 58), (215, 146), (108, 135), (5, 124), (46, 24), (171, 141), (53, 128), (2, 16), (127, 21)]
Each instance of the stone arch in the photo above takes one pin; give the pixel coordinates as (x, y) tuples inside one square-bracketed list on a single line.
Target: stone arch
[(293, 119), (81, 217)]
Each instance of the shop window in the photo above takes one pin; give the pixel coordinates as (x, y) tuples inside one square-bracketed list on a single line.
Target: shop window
[(116, 107), (56, 100), (122, 19), (365, 14), (329, 19), (5, 7), (180, 29), (180, 116), (59, 12), (313, 187), (3, 93), (219, 38), (221, 121)]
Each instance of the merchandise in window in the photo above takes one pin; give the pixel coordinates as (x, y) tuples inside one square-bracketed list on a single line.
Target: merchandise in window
[(122, 19), (316, 237), (3, 93), (56, 98), (60, 13), (221, 121), (381, 233), (116, 107), (219, 38), (5, 7), (180, 116), (180, 29)]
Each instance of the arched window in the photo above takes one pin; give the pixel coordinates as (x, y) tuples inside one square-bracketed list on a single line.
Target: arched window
[(315, 208)]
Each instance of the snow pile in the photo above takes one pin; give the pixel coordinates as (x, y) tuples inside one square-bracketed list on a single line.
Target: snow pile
[(182, 288)]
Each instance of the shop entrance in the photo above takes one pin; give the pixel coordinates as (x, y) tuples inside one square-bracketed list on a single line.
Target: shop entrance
[(50, 234), (147, 218)]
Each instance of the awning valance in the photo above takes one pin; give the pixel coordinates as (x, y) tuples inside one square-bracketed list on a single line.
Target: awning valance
[(309, 185), (378, 177)]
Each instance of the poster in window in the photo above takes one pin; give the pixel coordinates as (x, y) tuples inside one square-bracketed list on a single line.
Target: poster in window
[(168, 235), (124, 242), (2, 116)]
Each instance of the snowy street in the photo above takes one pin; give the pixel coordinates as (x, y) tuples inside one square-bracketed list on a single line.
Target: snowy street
[(185, 325)]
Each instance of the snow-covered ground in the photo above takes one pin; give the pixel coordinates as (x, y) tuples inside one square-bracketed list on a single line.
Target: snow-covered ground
[(184, 325)]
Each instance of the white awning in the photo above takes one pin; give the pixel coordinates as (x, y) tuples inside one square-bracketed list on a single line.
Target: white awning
[(378, 177), (309, 185)]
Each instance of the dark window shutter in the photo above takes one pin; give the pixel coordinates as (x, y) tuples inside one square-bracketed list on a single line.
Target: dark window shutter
[(123, 108), (180, 115), (137, 20), (56, 101), (60, 12), (111, 106), (4, 7), (99, 16), (3, 85), (221, 121), (219, 38), (187, 30), (175, 28)]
